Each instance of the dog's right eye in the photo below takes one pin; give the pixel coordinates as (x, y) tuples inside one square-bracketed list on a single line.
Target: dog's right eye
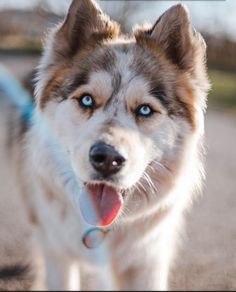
[(144, 110), (86, 101)]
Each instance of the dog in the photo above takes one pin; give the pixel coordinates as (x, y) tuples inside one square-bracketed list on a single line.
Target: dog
[(111, 158)]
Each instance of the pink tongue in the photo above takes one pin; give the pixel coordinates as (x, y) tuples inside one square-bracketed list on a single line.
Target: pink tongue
[(100, 204)]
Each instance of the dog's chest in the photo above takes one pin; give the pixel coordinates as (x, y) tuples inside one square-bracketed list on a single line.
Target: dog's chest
[(61, 228)]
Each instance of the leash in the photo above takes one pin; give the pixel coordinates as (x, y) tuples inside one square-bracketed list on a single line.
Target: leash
[(13, 89)]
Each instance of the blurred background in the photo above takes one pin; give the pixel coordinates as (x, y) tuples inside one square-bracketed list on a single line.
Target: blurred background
[(207, 260)]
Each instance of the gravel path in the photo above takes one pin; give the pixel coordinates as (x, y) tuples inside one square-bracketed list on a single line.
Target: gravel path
[(208, 257)]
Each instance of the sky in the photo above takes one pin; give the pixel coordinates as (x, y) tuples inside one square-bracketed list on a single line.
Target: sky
[(213, 16)]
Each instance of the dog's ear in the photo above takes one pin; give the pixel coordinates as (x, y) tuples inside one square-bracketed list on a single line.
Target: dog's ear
[(84, 21), (174, 34)]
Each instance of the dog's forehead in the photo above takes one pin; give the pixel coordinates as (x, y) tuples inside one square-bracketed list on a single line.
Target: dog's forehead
[(129, 60), (121, 81), (121, 65)]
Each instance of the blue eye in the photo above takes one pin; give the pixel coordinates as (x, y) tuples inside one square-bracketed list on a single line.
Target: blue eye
[(87, 101), (144, 110)]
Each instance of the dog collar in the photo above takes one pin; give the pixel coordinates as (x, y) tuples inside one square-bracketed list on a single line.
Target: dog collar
[(94, 237)]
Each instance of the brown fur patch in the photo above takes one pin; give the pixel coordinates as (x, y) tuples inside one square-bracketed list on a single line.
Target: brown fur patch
[(54, 87), (75, 73), (33, 217), (85, 24), (185, 105), (172, 34), (187, 96), (167, 90), (161, 76)]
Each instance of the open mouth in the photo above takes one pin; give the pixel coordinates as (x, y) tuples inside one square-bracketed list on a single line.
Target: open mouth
[(100, 203)]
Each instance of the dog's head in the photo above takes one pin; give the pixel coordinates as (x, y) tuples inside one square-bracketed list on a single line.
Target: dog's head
[(123, 109)]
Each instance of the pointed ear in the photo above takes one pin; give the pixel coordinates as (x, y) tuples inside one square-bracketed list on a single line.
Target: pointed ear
[(173, 34), (84, 21)]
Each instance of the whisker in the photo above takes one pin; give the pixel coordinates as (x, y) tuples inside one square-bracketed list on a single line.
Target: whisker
[(150, 182), (166, 168), (143, 191)]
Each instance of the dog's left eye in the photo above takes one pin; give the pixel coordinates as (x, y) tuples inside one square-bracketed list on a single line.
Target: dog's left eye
[(86, 101), (144, 110)]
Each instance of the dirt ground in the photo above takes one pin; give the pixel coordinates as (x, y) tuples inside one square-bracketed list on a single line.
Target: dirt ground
[(208, 257), (207, 260)]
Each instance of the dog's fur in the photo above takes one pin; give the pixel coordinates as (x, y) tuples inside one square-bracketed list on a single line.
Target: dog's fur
[(162, 66)]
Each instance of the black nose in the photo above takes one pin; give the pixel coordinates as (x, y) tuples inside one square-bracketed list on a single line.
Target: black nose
[(105, 159)]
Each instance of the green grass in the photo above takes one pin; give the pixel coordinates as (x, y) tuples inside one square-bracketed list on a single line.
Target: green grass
[(223, 92)]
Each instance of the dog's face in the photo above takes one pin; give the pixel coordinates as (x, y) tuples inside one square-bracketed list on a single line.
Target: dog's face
[(123, 110)]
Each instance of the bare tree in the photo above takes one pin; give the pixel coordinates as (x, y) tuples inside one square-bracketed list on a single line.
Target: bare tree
[(122, 11)]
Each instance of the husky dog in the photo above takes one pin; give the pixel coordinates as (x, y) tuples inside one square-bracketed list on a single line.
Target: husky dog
[(112, 157)]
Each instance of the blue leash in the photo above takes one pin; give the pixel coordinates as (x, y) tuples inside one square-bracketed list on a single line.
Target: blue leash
[(12, 88)]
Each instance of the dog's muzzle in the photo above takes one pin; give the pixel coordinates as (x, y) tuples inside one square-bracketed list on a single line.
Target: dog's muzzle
[(101, 200)]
